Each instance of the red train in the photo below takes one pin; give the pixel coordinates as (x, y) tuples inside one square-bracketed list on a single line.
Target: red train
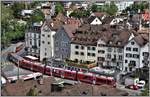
[(61, 72)]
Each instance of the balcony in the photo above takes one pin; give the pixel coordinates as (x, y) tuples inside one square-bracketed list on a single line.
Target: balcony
[(84, 64)]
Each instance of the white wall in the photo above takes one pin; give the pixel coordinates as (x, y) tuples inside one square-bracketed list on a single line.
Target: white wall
[(131, 52), (96, 21), (123, 4), (84, 57), (143, 49), (46, 47)]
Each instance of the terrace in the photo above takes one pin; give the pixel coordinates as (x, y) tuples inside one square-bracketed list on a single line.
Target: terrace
[(81, 64)]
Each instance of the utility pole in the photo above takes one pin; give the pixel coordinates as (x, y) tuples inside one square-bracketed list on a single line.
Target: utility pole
[(18, 70)]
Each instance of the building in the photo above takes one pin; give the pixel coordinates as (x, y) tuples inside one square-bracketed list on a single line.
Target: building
[(136, 53), (47, 42), (144, 56), (122, 5), (32, 40), (48, 9), (102, 44), (62, 41)]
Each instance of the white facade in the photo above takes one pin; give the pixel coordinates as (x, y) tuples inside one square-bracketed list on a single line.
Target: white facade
[(82, 52), (33, 43), (47, 45), (109, 56), (144, 55), (131, 56), (96, 21), (116, 20), (122, 5), (101, 52)]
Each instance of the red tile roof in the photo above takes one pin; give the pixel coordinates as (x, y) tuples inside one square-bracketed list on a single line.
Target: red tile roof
[(145, 16)]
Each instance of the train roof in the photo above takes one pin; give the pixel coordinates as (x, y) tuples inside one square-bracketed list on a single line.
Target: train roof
[(31, 57)]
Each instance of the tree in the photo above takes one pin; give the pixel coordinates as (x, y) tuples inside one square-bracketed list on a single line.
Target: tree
[(111, 9), (94, 8), (145, 92), (59, 8), (32, 92), (37, 16), (17, 8)]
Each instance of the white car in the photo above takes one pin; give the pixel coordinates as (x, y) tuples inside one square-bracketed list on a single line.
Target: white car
[(141, 84)]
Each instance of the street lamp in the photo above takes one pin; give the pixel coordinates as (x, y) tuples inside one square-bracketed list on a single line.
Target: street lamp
[(18, 70), (94, 82)]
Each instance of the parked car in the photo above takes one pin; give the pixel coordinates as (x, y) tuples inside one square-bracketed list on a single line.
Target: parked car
[(133, 87), (141, 84)]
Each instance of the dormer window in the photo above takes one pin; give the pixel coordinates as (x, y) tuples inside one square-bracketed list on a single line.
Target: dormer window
[(119, 43), (110, 42), (132, 43)]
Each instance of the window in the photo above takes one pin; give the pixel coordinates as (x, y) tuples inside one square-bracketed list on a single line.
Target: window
[(93, 54), (126, 68), (82, 47), (101, 45), (89, 54), (76, 53), (132, 43), (43, 42), (126, 61), (48, 35), (101, 59), (39, 42), (128, 55), (48, 42), (135, 56), (119, 50), (101, 51), (43, 35), (145, 54), (128, 48), (82, 53), (120, 57), (142, 61), (135, 49), (76, 46), (109, 56), (93, 48), (109, 49), (88, 48)]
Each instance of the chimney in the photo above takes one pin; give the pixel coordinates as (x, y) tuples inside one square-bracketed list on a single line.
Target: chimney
[(52, 24)]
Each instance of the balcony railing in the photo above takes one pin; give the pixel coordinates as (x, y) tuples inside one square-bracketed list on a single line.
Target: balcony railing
[(85, 64)]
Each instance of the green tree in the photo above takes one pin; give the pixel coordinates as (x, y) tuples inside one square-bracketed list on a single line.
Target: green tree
[(145, 92), (37, 16), (17, 8), (59, 8), (32, 92), (111, 9), (94, 8)]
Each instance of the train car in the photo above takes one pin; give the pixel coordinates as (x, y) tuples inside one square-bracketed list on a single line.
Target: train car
[(85, 77), (31, 58), (62, 72), (70, 75), (26, 64), (38, 67), (58, 72)]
